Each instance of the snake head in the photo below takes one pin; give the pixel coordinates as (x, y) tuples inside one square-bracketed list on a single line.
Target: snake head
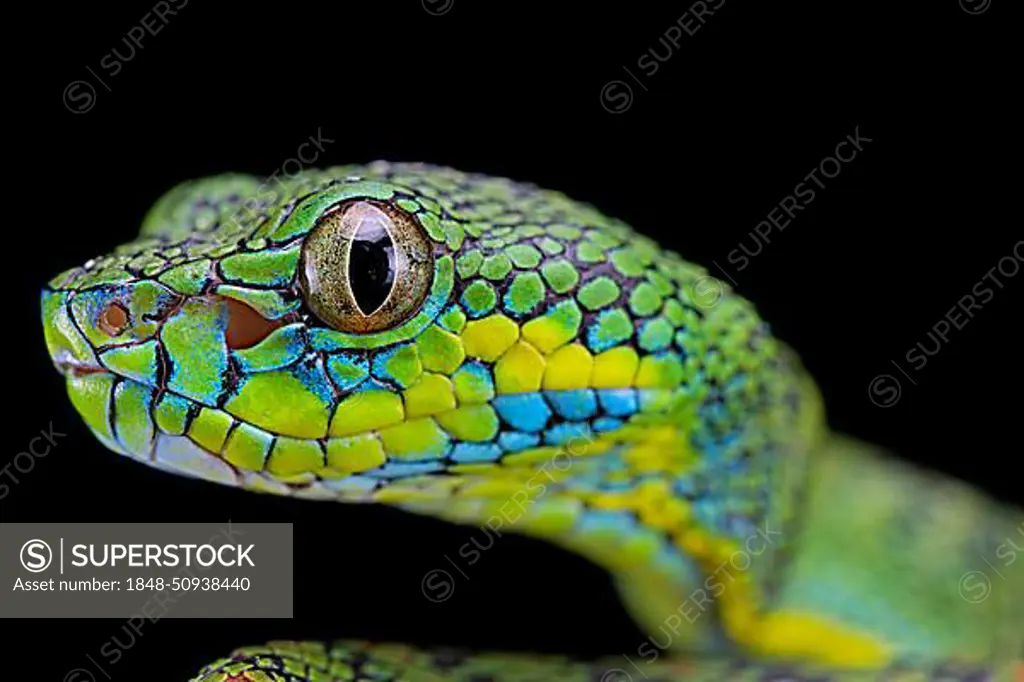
[(325, 334)]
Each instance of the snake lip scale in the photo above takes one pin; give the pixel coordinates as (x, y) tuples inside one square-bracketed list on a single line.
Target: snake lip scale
[(435, 340), (68, 365)]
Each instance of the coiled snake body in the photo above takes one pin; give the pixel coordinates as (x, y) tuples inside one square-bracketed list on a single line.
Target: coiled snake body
[(434, 340)]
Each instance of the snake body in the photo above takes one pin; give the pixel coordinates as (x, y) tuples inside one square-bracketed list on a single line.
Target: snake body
[(546, 365)]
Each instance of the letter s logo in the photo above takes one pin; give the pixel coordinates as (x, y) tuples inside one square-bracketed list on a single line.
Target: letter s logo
[(36, 556)]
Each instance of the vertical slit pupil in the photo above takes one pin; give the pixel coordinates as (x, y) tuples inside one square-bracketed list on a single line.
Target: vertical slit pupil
[(371, 265)]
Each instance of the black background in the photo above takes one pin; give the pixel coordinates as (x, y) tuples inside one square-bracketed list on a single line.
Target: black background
[(709, 144)]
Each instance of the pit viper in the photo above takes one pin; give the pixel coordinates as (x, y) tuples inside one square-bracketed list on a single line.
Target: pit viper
[(475, 348)]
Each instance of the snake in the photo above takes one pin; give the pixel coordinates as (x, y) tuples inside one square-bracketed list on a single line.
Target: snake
[(484, 350)]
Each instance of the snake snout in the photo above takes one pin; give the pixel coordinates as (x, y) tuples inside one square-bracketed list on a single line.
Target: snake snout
[(68, 348), (110, 328)]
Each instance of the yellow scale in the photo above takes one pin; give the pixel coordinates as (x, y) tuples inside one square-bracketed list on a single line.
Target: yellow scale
[(370, 427)]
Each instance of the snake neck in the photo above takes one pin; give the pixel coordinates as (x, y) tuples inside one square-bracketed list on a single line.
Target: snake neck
[(689, 505)]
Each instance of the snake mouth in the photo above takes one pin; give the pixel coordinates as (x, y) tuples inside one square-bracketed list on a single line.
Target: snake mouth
[(70, 366)]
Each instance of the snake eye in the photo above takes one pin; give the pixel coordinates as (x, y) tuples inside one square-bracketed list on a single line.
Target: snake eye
[(366, 267)]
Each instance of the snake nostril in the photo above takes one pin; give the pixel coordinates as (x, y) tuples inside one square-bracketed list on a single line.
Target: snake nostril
[(114, 319)]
